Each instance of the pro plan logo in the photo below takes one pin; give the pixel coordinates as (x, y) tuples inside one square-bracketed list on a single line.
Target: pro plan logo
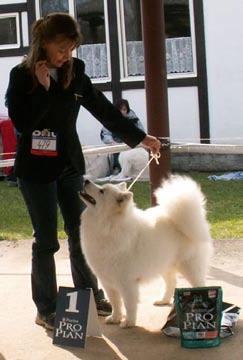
[(69, 329), (197, 321)]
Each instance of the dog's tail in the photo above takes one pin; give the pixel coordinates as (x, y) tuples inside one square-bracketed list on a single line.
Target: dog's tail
[(184, 203)]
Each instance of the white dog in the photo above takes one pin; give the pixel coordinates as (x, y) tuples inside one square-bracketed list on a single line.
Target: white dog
[(97, 166), (124, 245), (132, 162)]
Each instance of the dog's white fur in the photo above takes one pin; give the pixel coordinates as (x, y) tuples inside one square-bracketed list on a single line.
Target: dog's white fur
[(124, 245), (97, 166), (132, 162)]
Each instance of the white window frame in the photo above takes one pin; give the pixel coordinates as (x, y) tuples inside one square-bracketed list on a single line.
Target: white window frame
[(25, 28), (10, 2), (193, 37), (123, 51), (15, 45), (122, 40), (107, 39)]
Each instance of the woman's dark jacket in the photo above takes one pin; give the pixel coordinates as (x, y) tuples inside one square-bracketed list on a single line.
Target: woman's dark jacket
[(57, 110)]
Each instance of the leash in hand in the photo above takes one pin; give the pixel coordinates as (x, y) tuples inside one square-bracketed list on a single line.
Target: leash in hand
[(153, 157)]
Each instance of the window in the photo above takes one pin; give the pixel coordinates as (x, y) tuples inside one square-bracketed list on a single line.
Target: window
[(47, 6), (14, 27), (9, 31), (91, 16), (177, 18), (179, 50)]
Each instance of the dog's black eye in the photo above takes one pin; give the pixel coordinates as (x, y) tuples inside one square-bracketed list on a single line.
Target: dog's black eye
[(101, 191)]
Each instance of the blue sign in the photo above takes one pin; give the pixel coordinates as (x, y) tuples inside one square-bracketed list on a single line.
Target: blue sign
[(71, 316)]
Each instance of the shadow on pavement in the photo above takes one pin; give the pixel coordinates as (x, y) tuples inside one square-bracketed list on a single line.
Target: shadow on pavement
[(226, 276), (141, 344)]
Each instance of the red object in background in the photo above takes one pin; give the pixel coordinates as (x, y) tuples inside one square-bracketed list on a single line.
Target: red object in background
[(9, 141)]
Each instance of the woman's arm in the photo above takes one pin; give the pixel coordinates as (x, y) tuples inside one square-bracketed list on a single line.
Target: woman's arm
[(111, 118), (102, 109), (26, 108)]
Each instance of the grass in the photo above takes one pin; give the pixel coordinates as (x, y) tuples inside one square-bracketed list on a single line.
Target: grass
[(14, 219), (224, 205)]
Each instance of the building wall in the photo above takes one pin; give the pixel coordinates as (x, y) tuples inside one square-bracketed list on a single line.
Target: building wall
[(6, 65), (183, 111), (224, 33), (88, 127), (183, 114)]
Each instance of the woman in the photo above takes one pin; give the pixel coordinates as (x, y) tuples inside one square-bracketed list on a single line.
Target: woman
[(44, 95)]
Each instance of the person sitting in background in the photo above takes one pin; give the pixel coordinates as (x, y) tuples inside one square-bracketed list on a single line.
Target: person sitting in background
[(110, 138)]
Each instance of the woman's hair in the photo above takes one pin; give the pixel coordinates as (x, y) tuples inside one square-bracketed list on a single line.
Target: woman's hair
[(50, 28), (122, 102)]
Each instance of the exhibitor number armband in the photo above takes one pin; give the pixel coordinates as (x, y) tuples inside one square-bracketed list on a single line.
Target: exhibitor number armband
[(44, 143)]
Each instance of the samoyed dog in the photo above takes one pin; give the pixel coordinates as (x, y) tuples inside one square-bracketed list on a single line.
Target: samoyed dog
[(132, 162), (125, 246)]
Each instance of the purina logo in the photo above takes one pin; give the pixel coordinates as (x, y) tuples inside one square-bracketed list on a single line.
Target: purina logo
[(44, 133)]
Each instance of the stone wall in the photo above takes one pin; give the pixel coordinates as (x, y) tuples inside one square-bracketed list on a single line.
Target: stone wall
[(185, 161)]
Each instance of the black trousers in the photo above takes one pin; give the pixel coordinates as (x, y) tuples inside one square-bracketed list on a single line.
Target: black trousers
[(42, 201)]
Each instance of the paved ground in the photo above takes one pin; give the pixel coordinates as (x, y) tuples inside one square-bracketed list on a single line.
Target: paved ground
[(21, 339)]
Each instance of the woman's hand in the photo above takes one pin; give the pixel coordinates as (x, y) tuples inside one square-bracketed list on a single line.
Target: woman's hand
[(42, 73), (152, 143)]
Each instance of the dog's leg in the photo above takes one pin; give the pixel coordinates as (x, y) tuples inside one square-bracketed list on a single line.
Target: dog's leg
[(130, 298), (194, 272), (115, 300), (170, 284)]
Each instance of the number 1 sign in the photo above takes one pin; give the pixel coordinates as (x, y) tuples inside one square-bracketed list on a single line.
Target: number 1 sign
[(76, 317)]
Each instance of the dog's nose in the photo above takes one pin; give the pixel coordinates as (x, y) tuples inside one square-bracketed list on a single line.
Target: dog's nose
[(86, 182)]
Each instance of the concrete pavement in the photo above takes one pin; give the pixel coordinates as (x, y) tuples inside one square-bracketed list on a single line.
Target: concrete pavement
[(21, 339)]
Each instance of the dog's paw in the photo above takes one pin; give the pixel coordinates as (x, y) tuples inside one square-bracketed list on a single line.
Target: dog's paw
[(162, 302), (125, 324), (113, 319)]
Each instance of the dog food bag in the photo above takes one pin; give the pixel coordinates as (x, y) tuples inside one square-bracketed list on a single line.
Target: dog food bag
[(199, 312), (230, 317)]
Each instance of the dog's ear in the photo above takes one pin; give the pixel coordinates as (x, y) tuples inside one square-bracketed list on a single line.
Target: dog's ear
[(122, 186), (124, 197)]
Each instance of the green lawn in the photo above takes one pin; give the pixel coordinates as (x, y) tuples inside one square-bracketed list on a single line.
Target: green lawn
[(224, 204), (14, 219)]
